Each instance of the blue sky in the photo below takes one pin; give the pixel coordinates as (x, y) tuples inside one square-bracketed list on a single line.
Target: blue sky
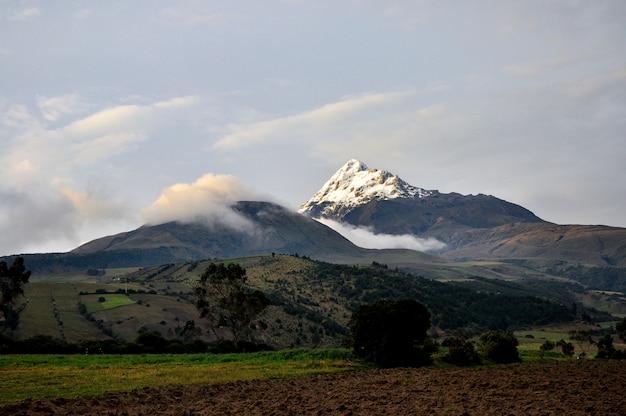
[(116, 113)]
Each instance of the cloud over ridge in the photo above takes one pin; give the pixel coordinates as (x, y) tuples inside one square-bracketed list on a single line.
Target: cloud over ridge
[(209, 200), (366, 238)]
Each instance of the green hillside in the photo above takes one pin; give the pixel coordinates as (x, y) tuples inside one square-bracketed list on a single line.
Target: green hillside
[(311, 301)]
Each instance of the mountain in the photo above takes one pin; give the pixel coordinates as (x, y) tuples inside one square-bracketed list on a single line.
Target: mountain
[(473, 227), (382, 201), (269, 228), (354, 184)]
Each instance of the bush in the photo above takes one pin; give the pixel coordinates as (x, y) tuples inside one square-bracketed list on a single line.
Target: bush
[(461, 351), (392, 333), (500, 346)]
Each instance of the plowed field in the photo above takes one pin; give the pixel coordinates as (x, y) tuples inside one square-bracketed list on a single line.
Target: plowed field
[(561, 388)]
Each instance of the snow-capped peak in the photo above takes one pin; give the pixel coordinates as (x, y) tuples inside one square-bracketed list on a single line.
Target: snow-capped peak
[(355, 184)]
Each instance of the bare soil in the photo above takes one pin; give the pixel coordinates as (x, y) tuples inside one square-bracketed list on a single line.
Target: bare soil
[(582, 387)]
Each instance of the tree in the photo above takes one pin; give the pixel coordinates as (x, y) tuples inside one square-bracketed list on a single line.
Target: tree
[(12, 280), (392, 333), (461, 350), (567, 348), (500, 346), (606, 348), (582, 338), (546, 346), (226, 301)]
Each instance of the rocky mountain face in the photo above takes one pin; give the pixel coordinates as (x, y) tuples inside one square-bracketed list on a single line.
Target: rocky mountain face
[(472, 226), (353, 185), (385, 203)]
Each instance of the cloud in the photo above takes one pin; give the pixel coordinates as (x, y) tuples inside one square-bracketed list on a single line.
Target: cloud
[(195, 13), (364, 237), (209, 199), (42, 217), (24, 15), (57, 185), (52, 108), (57, 152), (325, 121), (533, 68)]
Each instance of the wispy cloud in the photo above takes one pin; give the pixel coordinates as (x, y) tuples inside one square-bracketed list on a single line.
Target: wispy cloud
[(351, 113), (53, 108), (23, 15), (44, 195), (533, 68), (192, 14), (366, 238), (56, 152)]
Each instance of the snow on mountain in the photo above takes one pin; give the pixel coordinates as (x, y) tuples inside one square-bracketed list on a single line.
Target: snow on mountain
[(355, 184)]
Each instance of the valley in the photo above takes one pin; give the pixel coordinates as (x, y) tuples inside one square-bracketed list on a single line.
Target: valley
[(311, 300)]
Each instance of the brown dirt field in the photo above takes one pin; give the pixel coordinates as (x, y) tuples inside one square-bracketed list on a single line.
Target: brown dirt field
[(560, 388)]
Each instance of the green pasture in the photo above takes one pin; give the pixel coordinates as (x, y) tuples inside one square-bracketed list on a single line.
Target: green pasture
[(67, 376), (111, 300)]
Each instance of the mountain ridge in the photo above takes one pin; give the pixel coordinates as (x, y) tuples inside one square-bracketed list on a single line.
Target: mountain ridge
[(354, 184), (474, 227)]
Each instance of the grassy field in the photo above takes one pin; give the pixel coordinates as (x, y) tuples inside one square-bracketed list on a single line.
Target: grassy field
[(67, 376), (112, 300), (40, 376)]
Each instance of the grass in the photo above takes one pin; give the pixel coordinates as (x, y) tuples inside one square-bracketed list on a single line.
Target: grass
[(112, 300), (46, 376)]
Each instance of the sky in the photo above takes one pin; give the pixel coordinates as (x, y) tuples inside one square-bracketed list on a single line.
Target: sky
[(119, 113)]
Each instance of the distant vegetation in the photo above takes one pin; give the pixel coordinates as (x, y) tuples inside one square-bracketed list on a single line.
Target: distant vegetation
[(311, 303)]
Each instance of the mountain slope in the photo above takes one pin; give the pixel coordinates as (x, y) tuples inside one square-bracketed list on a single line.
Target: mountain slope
[(274, 229), (270, 228), (382, 201), (473, 227)]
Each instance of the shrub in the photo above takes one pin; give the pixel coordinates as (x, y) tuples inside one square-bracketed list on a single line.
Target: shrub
[(461, 351), (392, 333), (500, 346)]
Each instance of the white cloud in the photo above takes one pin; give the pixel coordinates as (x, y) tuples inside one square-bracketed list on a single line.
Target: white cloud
[(533, 68), (85, 141), (23, 15), (44, 216), (51, 192), (364, 237), (194, 13), (208, 199), (351, 113), (52, 108)]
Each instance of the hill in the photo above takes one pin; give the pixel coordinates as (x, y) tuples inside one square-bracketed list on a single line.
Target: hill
[(311, 301)]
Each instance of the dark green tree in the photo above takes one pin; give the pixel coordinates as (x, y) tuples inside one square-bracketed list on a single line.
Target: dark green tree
[(12, 280), (461, 350), (567, 348), (392, 333), (226, 301), (500, 346), (606, 348), (546, 346), (582, 338)]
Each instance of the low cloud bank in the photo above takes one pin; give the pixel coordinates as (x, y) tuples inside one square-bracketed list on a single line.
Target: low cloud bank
[(364, 237)]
